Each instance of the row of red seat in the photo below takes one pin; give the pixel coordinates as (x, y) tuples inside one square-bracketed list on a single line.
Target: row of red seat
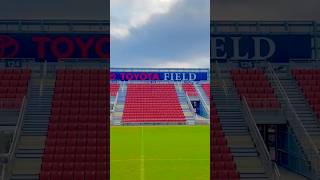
[(13, 87), (77, 97), (85, 142), (251, 83), (79, 103), (69, 167), (229, 165), (114, 88), (75, 127), (74, 175), (93, 148), (11, 103), (225, 175), (308, 80), (143, 99), (10, 90), (190, 89), (308, 77), (79, 128), (98, 147), (80, 111), (206, 88), (257, 91), (308, 71), (82, 77), (12, 96), (77, 158), (82, 83), (14, 77), (78, 118), (311, 88), (247, 77), (77, 134), (254, 71), (69, 72), (221, 160), (15, 83)]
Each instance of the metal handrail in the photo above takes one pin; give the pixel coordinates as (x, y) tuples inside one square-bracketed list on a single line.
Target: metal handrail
[(16, 136), (206, 106), (271, 168), (115, 102), (219, 76), (190, 105), (310, 149)]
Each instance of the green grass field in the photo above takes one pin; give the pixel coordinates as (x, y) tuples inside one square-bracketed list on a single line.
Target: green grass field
[(160, 153)]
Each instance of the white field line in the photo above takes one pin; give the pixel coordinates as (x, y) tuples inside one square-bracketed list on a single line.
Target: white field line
[(142, 156), (173, 159)]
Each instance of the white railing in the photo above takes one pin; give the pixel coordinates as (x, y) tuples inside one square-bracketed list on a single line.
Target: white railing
[(192, 110), (222, 79), (115, 102), (206, 106), (122, 86), (270, 167), (7, 167), (310, 149)]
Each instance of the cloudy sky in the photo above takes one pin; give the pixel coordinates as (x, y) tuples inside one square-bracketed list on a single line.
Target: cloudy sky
[(160, 33)]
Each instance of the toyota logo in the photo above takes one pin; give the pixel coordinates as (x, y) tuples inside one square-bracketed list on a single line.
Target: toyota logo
[(9, 47)]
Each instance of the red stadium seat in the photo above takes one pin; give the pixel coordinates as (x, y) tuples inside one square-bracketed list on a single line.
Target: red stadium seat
[(13, 87), (74, 126), (254, 86), (308, 80), (152, 103), (190, 89), (222, 163)]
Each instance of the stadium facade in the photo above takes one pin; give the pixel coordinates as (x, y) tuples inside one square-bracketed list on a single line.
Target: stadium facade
[(54, 99), (265, 99)]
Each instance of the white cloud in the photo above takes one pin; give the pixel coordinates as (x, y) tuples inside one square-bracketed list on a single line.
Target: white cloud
[(119, 31), (197, 61), (129, 14)]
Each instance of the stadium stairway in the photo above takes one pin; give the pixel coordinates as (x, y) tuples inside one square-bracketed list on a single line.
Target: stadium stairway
[(118, 110), (202, 93), (190, 119), (303, 111), (301, 106), (233, 123), (32, 141), (204, 99)]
